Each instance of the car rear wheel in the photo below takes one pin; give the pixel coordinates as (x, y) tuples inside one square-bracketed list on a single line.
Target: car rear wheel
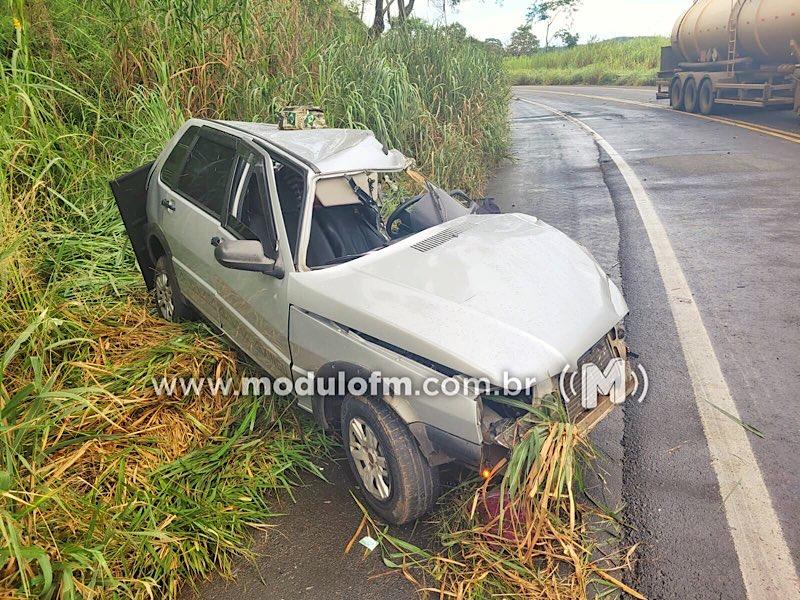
[(690, 96), (396, 480), (170, 302), (705, 97), (676, 94)]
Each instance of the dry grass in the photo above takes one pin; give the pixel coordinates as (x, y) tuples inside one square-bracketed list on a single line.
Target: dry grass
[(528, 537), (113, 488)]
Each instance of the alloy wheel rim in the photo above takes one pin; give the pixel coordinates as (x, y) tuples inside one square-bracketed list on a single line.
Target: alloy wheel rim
[(370, 463), (164, 296)]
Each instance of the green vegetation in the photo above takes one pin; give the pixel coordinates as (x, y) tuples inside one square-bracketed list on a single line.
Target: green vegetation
[(614, 62), (107, 490), (523, 42)]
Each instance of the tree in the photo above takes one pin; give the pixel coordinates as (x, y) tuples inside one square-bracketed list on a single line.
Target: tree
[(456, 31), (493, 45), (548, 11), (569, 40), (382, 13), (523, 42), (385, 9)]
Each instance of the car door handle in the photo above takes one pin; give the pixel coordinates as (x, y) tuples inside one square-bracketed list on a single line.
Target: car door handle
[(168, 204), (215, 241)]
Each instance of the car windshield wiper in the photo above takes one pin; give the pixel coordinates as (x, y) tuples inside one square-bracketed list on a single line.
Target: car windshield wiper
[(346, 257), (437, 203)]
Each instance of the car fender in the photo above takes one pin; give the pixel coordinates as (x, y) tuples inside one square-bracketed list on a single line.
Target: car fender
[(324, 347), (350, 370)]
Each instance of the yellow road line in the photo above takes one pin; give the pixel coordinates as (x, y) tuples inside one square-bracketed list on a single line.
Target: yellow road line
[(763, 129)]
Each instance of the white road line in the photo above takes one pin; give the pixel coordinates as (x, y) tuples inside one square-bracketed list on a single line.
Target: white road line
[(764, 559)]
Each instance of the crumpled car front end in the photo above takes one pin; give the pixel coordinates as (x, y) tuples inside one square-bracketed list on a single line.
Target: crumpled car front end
[(492, 297), (506, 414)]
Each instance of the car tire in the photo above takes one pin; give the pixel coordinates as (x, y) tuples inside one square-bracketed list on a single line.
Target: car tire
[(394, 476), (690, 95), (705, 97), (676, 94), (170, 303)]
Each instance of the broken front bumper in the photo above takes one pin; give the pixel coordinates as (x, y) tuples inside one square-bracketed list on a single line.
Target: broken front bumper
[(587, 394), (503, 425)]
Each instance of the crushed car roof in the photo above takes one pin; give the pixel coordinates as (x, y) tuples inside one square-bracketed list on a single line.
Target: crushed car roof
[(329, 150)]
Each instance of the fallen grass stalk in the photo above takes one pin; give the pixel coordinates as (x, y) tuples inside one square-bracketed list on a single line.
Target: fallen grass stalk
[(531, 536)]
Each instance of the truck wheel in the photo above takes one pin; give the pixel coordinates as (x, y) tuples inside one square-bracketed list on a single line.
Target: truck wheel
[(171, 304), (705, 97), (676, 94), (690, 95), (397, 481)]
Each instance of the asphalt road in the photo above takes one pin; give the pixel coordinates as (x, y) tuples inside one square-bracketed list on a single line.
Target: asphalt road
[(303, 557), (729, 202)]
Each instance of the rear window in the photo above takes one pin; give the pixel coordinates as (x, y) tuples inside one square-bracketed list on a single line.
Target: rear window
[(204, 177)]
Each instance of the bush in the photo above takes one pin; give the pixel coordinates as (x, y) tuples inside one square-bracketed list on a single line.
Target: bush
[(107, 488)]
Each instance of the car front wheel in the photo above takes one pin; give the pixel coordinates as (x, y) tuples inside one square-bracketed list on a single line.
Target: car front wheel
[(397, 481)]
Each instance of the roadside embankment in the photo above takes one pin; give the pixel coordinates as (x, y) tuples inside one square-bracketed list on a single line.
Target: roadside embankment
[(614, 62), (105, 488)]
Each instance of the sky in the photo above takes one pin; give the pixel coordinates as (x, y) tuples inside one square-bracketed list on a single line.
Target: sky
[(602, 18)]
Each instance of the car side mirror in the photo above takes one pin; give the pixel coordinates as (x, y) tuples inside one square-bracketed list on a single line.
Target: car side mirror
[(246, 255)]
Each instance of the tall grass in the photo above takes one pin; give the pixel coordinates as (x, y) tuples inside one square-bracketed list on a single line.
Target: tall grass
[(627, 62), (106, 489)]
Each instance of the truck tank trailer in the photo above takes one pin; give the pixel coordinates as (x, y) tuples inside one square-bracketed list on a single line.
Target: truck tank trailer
[(735, 52)]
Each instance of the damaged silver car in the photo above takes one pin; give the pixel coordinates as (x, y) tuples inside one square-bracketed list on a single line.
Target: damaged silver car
[(277, 238)]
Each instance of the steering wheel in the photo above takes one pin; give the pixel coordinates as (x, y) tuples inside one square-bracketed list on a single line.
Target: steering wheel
[(402, 230)]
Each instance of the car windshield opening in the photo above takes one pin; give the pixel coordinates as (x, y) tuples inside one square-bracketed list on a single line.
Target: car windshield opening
[(346, 219)]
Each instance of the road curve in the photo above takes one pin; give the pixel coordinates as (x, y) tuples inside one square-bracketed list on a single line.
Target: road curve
[(727, 197)]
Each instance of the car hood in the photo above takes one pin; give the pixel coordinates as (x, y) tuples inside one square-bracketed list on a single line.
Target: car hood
[(485, 295)]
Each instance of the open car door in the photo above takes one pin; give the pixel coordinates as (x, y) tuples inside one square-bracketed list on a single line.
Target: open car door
[(130, 193)]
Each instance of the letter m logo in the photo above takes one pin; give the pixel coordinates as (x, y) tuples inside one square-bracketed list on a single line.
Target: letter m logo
[(609, 382)]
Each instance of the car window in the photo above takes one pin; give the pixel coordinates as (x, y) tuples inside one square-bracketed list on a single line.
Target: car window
[(251, 218), (176, 159), (204, 177), (290, 182)]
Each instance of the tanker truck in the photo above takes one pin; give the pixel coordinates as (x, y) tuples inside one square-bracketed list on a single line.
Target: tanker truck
[(734, 52)]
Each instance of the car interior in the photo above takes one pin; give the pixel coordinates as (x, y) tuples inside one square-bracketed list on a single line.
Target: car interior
[(254, 220), (291, 186), (346, 220), (341, 226), (342, 223)]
